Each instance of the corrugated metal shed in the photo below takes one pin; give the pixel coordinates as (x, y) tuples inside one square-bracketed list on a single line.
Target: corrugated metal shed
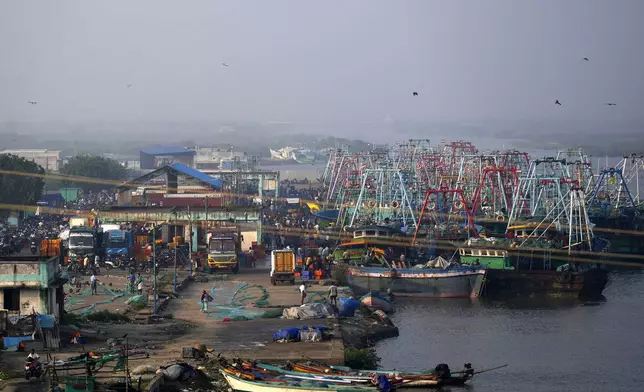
[(177, 169), (196, 174)]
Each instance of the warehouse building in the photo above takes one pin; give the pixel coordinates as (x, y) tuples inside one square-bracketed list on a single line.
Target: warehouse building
[(50, 160)]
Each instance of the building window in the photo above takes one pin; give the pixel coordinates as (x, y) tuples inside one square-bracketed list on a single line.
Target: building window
[(12, 299)]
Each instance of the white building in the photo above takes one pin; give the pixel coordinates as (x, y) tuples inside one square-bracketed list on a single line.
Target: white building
[(211, 158), (49, 159)]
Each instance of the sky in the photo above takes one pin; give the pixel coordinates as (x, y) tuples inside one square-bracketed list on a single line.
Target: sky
[(307, 62)]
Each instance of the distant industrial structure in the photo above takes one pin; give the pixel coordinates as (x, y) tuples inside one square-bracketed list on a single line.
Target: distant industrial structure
[(50, 160), (220, 158), (156, 157)]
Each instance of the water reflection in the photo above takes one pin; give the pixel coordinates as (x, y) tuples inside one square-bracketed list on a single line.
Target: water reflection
[(550, 344)]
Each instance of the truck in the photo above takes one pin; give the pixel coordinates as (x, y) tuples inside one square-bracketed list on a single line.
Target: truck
[(118, 243), (85, 241), (282, 266), (224, 247)]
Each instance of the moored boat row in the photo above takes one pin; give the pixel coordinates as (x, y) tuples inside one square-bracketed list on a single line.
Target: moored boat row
[(256, 376)]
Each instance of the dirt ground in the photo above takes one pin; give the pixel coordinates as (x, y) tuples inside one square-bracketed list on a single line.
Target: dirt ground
[(189, 326)]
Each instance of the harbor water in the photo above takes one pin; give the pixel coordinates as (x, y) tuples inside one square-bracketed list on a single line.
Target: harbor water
[(550, 346)]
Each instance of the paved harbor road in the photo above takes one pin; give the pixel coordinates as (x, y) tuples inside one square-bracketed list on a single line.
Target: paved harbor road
[(550, 346)]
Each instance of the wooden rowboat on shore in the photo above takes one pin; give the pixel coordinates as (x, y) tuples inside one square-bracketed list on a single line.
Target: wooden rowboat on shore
[(244, 385), (398, 379)]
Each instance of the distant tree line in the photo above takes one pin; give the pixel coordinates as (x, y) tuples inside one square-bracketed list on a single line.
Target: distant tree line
[(20, 188), (96, 167)]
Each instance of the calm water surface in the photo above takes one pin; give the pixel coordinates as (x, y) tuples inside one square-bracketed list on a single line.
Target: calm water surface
[(552, 346)]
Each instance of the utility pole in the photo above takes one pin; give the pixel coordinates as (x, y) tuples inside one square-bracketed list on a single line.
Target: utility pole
[(190, 242), (154, 265), (207, 222), (176, 249)]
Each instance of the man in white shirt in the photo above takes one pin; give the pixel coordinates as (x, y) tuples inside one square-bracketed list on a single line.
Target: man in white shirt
[(33, 356), (303, 292), (92, 281), (333, 295)]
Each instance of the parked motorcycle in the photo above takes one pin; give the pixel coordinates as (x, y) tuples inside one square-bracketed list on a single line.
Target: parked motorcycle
[(33, 248), (33, 369), (112, 263)]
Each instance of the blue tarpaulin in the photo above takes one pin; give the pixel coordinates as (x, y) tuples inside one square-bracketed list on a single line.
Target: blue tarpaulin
[(46, 321), (12, 343), (347, 307)]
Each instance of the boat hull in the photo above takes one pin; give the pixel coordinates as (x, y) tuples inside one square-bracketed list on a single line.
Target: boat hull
[(587, 284), (461, 282), (239, 384), (375, 303)]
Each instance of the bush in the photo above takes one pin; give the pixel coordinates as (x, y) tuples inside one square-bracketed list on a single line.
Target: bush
[(339, 274), (71, 318), (361, 358), (105, 316)]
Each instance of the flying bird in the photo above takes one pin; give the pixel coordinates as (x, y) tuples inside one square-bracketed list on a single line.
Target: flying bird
[(32, 102), (586, 59), (224, 64), (610, 104), (557, 102), (128, 85), (415, 94)]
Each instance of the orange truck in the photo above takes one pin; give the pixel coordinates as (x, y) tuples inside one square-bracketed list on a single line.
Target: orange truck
[(283, 266), (50, 247)]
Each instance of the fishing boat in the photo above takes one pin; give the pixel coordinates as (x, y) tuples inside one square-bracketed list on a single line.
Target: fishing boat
[(282, 154), (452, 282), (238, 383), (374, 301), (531, 262), (441, 376), (376, 238), (304, 156)]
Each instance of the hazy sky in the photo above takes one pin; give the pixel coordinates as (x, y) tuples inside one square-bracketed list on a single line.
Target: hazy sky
[(312, 61)]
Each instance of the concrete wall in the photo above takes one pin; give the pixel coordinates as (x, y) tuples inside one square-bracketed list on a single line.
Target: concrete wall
[(42, 301), (249, 237), (31, 299), (29, 274)]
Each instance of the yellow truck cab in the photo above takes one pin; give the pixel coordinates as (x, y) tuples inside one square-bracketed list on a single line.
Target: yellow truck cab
[(224, 247), (282, 266)]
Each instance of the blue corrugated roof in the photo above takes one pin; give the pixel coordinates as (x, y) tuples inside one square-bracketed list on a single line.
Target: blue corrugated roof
[(194, 173), (167, 151)]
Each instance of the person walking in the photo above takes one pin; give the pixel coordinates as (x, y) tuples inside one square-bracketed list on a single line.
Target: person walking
[(333, 295), (205, 298), (93, 283), (303, 293), (132, 280), (139, 284)]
